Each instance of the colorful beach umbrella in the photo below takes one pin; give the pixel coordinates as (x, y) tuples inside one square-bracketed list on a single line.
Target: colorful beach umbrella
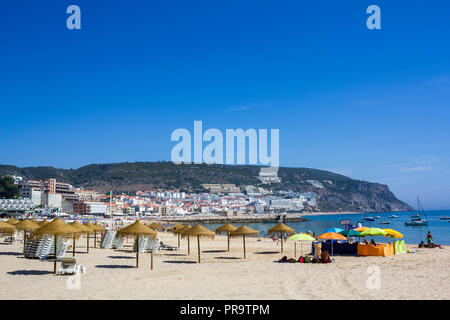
[(335, 230), (361, 229), (350, 233), (392, 233), (331, 236), (373, 232), (300, 237)]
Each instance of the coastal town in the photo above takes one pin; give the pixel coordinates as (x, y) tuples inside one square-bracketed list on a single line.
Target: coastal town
[(54, 198)]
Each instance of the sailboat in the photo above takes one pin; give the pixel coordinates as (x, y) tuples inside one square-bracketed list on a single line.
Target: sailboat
[(416, 219)]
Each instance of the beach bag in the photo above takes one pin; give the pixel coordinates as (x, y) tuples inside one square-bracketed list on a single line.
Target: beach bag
[(301, 260)]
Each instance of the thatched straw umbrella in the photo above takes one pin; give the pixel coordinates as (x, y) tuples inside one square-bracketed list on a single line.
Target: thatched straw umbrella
[(7, 228), (43, 222), (56, 228), (199, 231), (93, 228), (97, 228), (243, 231), (227, 228), (82, 230), (138, 229), (13, 221), (174, 228), (156, 226), (281, 228), (26, 226), (183, 235)]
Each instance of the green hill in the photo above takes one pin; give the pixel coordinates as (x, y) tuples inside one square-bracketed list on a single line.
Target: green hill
[(338, 193)]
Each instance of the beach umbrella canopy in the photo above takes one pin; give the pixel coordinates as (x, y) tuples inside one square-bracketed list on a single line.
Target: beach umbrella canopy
[(98, 227), (350, 233), (373, 232), (175, 227), (361, 229), (331, 236), (7, 228), (83, 229), (13, 221), (392, 233), (281, 228), (156, 226), (183, 235), (226, 228), (138, 229), (94, 227), (335, 230), (43, 222), (56, 228), (302, 237), (244, 231), (199, 231), (27, 225)]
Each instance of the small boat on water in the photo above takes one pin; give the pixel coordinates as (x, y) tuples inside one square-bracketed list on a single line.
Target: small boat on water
[(445, 218), (368, 218), (385, 222), (393, 216), (377, 217), (416, 219)]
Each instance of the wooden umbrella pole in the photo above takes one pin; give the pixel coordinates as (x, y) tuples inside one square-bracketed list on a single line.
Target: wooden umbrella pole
[(228, 233), (198, 244), (87, 243), (73, 246), (295, 249), (178, 240), (281, 236), (152, 259), (243, 240), (54, 262), (189, 245), (95, 239), (137, 252)]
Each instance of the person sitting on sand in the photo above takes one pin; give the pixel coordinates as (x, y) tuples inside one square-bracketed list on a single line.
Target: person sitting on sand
[(372, 242), (325, 257), (429, 238), (284, 259), (365, 241), (421, 244)]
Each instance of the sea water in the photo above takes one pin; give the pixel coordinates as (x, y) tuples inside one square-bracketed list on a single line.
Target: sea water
[(440, 229)]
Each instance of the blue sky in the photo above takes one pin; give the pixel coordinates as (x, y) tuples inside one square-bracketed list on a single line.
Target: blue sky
[(370, 104)]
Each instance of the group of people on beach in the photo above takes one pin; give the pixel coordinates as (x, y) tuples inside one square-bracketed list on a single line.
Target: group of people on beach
[(430, 243), (324, 258)]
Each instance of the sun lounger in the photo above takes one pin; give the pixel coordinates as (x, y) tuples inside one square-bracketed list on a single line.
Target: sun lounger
[(69, 266), (107, 239)]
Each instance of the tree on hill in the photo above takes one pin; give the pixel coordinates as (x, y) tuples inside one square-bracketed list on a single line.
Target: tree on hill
[(8, 190)]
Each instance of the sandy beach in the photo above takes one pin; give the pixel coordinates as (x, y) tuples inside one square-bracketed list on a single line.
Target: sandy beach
[(111, 274)]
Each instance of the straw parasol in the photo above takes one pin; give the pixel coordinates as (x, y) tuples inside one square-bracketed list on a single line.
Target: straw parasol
[(174, 228), (199, 231), (98, 228), (43, 222), (138, 229), (281, 228), (93, 228), (300, 237), (243, 231), (82, 230), (25, 226), (56, 228), (7, 228), (156, 226), (13, 221), (227, 228), (182, 230)]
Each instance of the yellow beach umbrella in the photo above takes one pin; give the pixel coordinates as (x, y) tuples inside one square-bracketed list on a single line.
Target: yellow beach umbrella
[(244, 231), (55, 228), (199, 231), (361, 229), (393, 234), (228, 228), (138, 229), (281, 228)]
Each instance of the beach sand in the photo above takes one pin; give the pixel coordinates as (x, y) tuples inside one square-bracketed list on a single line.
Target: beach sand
[(111, 274)]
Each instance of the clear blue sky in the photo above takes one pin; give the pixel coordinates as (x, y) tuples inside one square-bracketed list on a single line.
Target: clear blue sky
[(371, 104)]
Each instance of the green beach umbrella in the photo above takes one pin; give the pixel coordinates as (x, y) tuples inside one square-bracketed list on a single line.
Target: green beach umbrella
[(350, 233), (300, 237), (373, 232)]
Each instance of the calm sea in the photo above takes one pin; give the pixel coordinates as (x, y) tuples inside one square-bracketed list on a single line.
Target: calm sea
[(440, 229)]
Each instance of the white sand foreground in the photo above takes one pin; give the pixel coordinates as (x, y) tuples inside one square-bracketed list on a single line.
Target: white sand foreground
[(111, 274)]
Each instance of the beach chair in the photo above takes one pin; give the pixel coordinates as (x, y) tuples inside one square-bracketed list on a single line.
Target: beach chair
[(69, 266), (118, 242), (108, 239), (143, 241)]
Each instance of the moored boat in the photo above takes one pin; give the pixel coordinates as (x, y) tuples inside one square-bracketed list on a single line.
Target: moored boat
[(393, 216), (385, 222)]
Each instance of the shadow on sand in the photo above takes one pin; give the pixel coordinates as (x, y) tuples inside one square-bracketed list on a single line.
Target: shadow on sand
[(11, 254), (121, 257), (114, 266), (213, 251), (29, 272), (227, 258), (268, 252), (175, 254), (188, 262)]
